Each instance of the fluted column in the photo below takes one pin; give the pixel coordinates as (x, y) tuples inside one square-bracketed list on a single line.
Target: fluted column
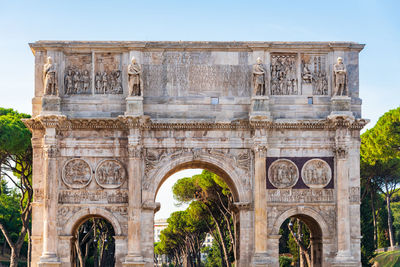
[(134, 256), (260, 213), (50, 191)]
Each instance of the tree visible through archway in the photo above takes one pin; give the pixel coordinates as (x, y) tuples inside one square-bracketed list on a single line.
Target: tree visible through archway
[(300, 243), (93, 244), (211, 210)]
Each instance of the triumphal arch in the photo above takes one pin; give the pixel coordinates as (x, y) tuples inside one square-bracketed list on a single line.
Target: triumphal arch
[(279, 121)]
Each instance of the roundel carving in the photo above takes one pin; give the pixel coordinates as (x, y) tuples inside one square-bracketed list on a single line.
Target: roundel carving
[(316, 173), (77, 173), (283, 173), (110, 174)]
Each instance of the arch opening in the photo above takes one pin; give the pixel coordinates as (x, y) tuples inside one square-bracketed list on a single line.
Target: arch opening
[(199, 164), (209, 234), (93, 242), (300, 242)]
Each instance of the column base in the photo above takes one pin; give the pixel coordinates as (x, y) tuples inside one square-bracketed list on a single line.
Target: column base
[(133, 260), (344, 258), (49, 260), (261, 260)]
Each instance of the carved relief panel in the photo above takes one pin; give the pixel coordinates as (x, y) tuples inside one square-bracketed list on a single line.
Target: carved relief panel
[(284, 74), (77, 74), (314, 74), (108, 73), (110, 174), (76, 173), (283, 173), (316, 173)]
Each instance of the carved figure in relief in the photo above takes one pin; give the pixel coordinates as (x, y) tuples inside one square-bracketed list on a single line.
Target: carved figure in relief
[(76, 80), (110, 174), (117, 82), (86, 82), (135, 77), (98, 83), (316, 173), (68, 82), (77, 173), (259, 78), (104, 80), (283, 173), (49, 78), (340, 78), (306, 73)]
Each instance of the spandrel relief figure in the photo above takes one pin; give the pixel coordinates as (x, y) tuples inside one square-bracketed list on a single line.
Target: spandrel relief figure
[(340, 78), (259, 78), (135, 78), (49, 78), (68, 82)]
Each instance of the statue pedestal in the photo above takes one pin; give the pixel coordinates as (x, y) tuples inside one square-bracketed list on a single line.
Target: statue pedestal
[(51, 105), (259, 109), (49, 260), (341, 105), (133, 261), (134, 106)]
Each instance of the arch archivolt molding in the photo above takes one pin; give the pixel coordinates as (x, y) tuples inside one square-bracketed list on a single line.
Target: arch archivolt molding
[(80, 214), (234, 163), (323, 216)]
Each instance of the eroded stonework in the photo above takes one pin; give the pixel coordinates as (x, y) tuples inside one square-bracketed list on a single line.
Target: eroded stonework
[(278, 121)]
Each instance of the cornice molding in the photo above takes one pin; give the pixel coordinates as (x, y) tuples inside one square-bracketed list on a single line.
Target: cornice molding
[(144, 123)]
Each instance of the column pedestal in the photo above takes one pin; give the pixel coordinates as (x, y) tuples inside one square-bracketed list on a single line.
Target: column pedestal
[(134, 106), (51, 105), (259, 109), (341, 105)]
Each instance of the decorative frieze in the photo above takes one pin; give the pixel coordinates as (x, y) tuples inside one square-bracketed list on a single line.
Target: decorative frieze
[(108, 82), (77, 81), (93, 196), (314, 72), (300, 195)]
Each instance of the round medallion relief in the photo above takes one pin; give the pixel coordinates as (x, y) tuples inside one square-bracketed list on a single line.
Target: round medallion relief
[(283, 173), (110, 174), (316, 173), (77, 173)]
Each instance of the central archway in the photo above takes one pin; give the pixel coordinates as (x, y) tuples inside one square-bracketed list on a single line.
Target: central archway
[(235, 180)]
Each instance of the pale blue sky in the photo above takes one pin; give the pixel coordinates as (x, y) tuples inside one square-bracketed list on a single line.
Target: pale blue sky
[(375, 23)]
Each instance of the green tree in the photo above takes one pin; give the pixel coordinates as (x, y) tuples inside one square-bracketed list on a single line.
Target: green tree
[(367, 231), (380, 161), (212, 201), (16, 165)]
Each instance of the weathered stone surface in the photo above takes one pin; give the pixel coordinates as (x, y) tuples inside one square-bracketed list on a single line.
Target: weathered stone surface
[(105, 147)]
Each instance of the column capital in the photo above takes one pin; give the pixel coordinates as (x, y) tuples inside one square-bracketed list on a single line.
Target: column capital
[(151, 205), (260, 151)]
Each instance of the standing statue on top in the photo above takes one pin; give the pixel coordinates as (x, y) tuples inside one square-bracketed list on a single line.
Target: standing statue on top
[(49, 78), (340, 78), (259, 78), (135, 78)]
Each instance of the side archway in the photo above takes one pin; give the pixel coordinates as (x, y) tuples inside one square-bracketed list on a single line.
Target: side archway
[(317, 226)]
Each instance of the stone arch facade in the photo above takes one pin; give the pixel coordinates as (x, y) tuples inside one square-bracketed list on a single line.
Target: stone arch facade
[(265, 116)]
